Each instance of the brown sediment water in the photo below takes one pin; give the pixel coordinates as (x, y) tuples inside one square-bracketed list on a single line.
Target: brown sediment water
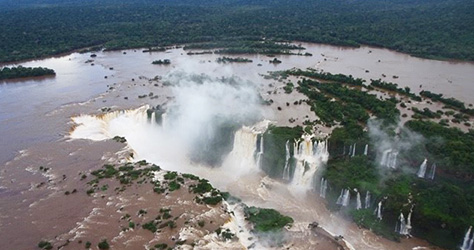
[(35, 116), (27, 102)]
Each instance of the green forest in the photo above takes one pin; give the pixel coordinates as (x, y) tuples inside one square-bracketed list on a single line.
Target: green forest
[(432, 29), (442, 207), (22, 72)]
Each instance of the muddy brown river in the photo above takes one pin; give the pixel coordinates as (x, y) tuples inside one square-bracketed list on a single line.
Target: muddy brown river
[(35, 121)]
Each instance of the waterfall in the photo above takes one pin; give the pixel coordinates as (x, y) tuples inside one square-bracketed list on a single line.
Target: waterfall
[(242, 155), (156, 115), (164, 120), (295, 147), (260, 153), (339, 199), (353, 150), (467, 242), (408, 224), (359, 203), (350, 150), (321, 151), (402, 229), (170, 147), (302, 144), (366, 149), (323, 187), (367, 199), (383, 161), (240, 226), (286, 170), (405, 225), (344, 198), (309, 158), (241, 159), (392, 160), (431, 175), (152, 117), (301, 176), (378, 211), (389, 158), (422, 170), (98, 128)]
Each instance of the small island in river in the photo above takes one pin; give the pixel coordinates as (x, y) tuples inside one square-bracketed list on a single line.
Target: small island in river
[(24, 72)]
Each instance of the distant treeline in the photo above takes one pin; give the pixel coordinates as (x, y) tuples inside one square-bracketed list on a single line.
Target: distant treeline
[(164, 62), (21, 72), (340, 78), (231, 60), (434, 29), (250, 43)]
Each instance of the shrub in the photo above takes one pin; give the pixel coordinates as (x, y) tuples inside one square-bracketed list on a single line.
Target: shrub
[(202, 187), (173, 185), (170, 175), (201, 223), (213, 200), (161, 246), (150, 226), (266, 220), (45, 245), (103, 244)]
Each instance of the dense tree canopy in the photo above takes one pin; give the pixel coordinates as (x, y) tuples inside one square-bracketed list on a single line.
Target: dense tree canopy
[(442, 207), (436, 28), (21, 72)]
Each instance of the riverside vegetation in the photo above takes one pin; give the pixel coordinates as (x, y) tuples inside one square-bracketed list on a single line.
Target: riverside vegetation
[(442, 206), (23, 72)]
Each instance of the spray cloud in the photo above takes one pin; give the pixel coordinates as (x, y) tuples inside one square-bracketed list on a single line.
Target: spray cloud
[(396, 146)]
